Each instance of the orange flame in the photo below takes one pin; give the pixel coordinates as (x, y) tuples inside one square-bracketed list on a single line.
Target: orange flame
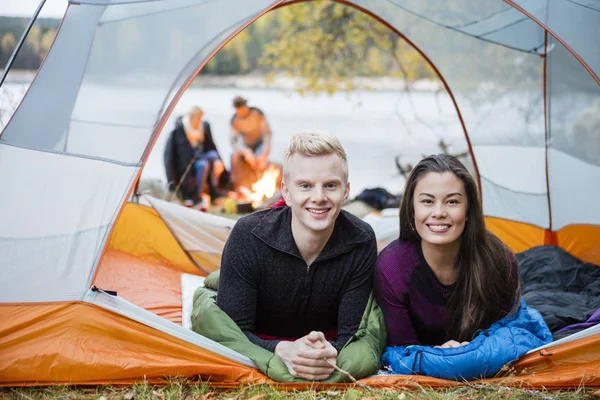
[(267, 185)]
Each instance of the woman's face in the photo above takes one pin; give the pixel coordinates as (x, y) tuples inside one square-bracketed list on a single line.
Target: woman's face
[(196, 119), (440, 204)]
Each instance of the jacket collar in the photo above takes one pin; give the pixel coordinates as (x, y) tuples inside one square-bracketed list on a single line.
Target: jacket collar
[(275, 229)]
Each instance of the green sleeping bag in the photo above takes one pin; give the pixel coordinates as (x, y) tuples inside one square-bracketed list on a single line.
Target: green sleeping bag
[(360, 356)]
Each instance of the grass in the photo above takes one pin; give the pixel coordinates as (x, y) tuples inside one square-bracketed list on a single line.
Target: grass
[(193, 390)]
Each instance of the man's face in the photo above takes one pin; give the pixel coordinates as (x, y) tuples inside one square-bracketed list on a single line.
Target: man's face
[(242, 111), (315, 188), (196, 119)]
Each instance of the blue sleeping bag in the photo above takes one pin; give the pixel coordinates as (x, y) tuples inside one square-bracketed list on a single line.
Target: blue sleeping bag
[(503, 343)]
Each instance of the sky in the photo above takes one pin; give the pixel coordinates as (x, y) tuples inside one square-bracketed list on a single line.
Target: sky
[(26, 8)]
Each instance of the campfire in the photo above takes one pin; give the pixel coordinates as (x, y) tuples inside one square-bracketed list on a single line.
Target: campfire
[(262, 190), (266, 186)]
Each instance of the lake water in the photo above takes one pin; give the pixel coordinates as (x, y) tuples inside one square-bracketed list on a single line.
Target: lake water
[(373, 126)]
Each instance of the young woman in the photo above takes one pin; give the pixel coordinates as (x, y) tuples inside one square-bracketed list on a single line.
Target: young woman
[(446, 277)]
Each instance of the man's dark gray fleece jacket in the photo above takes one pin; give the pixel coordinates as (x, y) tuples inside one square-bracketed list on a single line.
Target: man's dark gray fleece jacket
[(266, 287)]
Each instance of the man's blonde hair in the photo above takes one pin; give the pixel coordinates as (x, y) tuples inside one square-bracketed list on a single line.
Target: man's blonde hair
[(312, 144)]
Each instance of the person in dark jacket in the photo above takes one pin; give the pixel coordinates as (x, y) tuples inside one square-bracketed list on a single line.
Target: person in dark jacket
[(191, 148), (297, 279)]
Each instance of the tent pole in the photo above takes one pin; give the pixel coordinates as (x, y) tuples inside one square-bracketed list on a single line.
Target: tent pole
[(21, 41)]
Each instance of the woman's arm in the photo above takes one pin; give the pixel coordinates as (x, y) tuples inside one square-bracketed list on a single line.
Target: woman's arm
[(209, 143), (392, 297)]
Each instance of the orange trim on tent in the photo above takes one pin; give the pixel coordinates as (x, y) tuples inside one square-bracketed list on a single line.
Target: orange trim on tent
[(582, 241), (550, 238), (518, 236), (80, 342), (570, 365)]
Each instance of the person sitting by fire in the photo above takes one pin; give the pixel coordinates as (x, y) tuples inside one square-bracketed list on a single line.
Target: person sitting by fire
[(250, 138), (297, 279), (191, 157)]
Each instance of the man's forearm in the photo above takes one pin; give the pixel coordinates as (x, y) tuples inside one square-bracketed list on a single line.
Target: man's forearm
[(267, 143), (265, 344), (234, 138)]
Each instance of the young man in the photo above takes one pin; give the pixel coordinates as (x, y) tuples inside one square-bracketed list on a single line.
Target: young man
[(296, 279), (250, 137), (191, 142)]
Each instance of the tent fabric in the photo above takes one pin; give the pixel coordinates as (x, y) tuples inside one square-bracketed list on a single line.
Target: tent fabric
[(201, 235), (153, 353), (145, 259), (85, 128), (520, 184), (152, 286), (142, 233), (529, 235), (120, 306), (493, 22), (574, 22), (491, 350), (581, 241), (81, 343), (86, 144), (50, 246)]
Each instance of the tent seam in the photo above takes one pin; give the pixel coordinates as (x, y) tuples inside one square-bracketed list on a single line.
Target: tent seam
[(75, 155), (455, 29), (154, 13), (511, 190)]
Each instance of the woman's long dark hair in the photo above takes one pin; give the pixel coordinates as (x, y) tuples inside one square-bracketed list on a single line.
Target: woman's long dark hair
[(484, 291)]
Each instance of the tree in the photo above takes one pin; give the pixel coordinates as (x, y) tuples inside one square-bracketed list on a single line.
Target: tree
[(7, 45), (330, 44)]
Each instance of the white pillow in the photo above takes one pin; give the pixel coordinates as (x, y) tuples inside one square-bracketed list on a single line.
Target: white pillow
[(189, 284)]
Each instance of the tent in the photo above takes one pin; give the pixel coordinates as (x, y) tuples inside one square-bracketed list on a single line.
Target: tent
[(103, 94)]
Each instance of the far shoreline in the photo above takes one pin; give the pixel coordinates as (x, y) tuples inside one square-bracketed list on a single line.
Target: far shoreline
[(258, 81)]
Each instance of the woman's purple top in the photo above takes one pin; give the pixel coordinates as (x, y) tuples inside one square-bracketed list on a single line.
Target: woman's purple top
[(413, 300)]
